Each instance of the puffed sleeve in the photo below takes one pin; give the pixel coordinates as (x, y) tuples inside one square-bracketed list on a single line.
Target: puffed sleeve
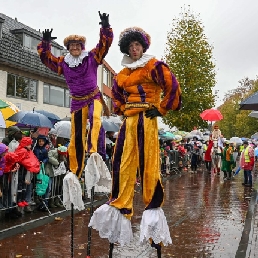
[(48, 59), (162, 75), (105, 41)]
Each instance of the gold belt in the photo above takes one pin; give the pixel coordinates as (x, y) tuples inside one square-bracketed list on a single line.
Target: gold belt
[(92, 94), (130, 105)]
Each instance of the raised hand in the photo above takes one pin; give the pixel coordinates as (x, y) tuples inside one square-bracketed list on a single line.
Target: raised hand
[(47, 35), (104, 17), (151, 113)]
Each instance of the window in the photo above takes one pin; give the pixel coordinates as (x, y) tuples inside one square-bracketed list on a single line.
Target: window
[(55, 95), (46, 94), (105, 76), (67, 98), (27, 41), (55, 51), (21, 87), (34, 44), (30, 42)]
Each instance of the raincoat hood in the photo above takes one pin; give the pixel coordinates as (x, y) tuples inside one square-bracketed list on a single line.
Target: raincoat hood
[(25, 141), (41, 136)]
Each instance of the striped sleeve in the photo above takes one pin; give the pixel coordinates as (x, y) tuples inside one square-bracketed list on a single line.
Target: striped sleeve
[(162, 75), (117, 98), (105, 41), (49, 60)]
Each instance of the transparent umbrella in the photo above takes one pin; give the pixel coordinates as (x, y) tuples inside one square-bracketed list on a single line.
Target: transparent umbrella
[(63, 129)]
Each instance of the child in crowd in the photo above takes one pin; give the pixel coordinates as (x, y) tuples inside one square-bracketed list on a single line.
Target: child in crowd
[(56, 156), (41, 152), (29, 164)]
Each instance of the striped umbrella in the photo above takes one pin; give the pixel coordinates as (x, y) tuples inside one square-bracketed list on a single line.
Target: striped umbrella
[(7, 109)]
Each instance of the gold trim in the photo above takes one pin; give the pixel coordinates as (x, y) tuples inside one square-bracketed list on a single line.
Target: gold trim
[(130, 105), (92, 94)]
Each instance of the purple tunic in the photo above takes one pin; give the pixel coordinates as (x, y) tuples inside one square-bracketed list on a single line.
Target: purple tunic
[(81, 80)]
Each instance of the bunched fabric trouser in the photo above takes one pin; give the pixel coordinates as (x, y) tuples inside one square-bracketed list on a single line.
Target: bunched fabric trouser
[(137, 148), (95, 137)]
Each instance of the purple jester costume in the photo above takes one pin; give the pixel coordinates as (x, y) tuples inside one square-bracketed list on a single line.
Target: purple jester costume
[(80, 73)]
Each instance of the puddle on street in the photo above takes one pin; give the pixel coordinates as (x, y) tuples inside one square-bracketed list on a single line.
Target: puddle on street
[(205, 215)]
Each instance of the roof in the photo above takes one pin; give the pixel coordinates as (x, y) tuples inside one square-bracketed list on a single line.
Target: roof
[(12, 52)]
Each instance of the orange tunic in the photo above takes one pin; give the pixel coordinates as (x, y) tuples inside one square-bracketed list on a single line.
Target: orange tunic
[(153, 84)]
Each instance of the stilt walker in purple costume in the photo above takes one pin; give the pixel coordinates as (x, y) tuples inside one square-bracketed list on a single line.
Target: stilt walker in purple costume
[(137, 95), (79, 68)]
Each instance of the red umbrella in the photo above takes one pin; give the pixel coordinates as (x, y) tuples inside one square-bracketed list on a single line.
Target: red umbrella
[(211, 115)]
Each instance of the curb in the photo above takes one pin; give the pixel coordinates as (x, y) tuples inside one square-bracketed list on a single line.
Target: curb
[(246, 242), (23, 227)]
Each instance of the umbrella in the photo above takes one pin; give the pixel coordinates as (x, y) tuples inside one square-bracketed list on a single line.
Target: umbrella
[(51, 116), (110, 124), (3, 104), (63, 129), (211, 115), (5, 112), (114, 119), (191, 136), (254, 114), (178, 138), (167, 136), (31, 118), (255, 136), (66, 118), (251, 103), (235, 140)]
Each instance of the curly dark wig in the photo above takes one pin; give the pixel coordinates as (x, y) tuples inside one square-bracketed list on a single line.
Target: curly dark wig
[(128, 38)]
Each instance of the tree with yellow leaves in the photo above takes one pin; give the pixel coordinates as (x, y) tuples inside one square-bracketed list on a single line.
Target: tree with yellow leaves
[(237, 122), (189, 56)]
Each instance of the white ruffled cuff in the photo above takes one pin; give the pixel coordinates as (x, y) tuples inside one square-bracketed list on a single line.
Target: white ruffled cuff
[(112, 225), (72, 192), (154, 225)]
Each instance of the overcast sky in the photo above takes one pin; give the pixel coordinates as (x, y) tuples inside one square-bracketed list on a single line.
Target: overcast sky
[(230, 25)]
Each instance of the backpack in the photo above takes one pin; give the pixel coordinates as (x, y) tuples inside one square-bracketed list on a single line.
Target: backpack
[(41, 181)]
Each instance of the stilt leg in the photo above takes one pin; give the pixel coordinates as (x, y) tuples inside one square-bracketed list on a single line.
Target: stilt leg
[(111, 247), (89, 229), (159, 252), (72, 222)]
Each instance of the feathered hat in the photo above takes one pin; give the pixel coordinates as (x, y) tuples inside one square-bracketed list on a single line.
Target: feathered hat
[(133, 34), (75, 39)]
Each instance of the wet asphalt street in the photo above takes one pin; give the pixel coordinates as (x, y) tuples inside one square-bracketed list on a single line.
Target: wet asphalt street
[(207, 216)]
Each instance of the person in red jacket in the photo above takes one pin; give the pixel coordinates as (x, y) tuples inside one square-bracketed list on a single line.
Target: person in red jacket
[(207, 156), (30, 164)]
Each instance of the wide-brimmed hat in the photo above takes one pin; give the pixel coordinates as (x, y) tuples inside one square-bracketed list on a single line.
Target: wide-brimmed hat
[(75, 39), (133, 34)]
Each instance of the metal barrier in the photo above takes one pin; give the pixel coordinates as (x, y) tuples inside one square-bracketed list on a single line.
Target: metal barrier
[(13, 189)]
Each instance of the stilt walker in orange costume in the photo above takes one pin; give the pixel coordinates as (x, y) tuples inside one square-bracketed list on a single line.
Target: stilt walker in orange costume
[(136, 95)]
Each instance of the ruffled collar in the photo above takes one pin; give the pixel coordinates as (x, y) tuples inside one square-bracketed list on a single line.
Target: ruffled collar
[(128, 62), (73, 61)]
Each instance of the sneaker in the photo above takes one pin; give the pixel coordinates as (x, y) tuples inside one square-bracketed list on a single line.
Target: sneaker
[(21, 204), (25, 203), (243, 184), (28, 209), (248, 185)]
